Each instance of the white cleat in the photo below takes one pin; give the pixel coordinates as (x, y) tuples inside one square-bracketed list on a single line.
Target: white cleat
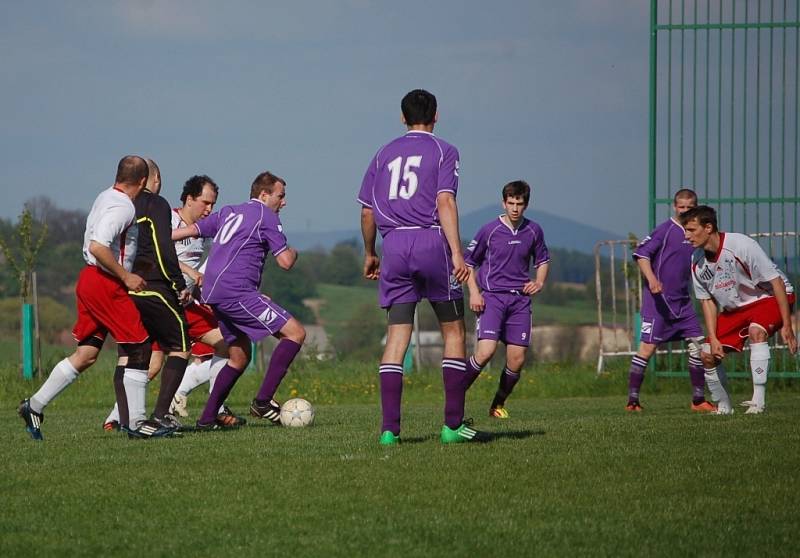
[(178, 405), (749, 403), (755, 409), (724, 408)]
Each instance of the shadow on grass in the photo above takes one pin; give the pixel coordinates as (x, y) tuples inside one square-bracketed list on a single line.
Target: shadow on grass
[(512, 435)]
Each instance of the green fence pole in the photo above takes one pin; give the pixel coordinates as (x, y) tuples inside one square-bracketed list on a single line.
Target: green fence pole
[(27, 341)]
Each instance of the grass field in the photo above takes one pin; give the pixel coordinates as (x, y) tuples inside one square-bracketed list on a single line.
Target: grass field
[(569, 473)]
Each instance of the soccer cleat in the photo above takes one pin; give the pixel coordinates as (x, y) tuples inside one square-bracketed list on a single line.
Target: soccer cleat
[(388, 438), (149, 429), (704, 407), (498, 413), (755, 409), (462, 434), (227, 419), (634, 407), (270, 410), (168, 421), (178, 405), (111, 426), (33, 420), (724, 408)]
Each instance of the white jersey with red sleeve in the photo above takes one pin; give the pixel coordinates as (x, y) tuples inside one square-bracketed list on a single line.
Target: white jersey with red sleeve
[(190, 250), (112, 223), (737, 275)]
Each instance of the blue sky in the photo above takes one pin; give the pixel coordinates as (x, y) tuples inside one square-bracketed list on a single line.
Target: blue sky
[(551, 92)]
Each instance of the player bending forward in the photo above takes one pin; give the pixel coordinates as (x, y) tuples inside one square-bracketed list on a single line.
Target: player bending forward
[(732, 271), (664, 258), (500, 289), (409, 195), (243, 235), (109, 248)]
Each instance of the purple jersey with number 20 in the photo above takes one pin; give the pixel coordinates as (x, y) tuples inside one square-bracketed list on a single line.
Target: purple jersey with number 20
[(400, 186)]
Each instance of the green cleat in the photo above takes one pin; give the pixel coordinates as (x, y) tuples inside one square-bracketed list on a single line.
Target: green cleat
[(389, 439), (464, 433)]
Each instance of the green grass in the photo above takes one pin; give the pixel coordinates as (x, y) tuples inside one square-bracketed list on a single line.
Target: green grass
[(575, 312), (569, 473)]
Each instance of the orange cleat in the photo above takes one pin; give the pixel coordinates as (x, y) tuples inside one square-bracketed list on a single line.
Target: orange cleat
[(704, 407), (633, 407)]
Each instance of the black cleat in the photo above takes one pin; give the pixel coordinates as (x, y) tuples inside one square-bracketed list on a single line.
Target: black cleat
[(269, 410), (149, 429), (229, 419), (168, 421), (33, 420)]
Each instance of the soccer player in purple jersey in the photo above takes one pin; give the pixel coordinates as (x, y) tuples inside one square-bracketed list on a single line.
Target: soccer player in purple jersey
[(243, 235), (500, 290), (664, 258), (409, 195)]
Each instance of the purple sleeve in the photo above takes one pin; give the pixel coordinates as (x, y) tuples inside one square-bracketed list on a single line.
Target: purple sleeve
[(652, 243), (476, 251), (272, 233), (539, 251), (365, 194), (448, 172), (208, 226)]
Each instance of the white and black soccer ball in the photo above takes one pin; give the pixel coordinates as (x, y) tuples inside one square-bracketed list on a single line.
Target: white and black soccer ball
[(297, 412)]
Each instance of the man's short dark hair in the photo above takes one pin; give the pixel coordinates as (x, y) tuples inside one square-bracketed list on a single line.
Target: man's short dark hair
[(194, 186), (703, 214), (131, 170), (684, 194), (419, 107), (517, 189), (264, 182)]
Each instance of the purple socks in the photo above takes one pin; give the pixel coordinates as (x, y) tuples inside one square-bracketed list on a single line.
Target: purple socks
[(636, 377), (391, 376), (282, 357), (222, 387), (453, 372)]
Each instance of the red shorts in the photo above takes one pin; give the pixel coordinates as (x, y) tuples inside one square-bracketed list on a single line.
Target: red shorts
[(733, 325), (202, 350), (200, 319), (104, 307)]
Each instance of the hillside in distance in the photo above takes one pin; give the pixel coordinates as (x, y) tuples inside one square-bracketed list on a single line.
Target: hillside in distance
[(559, 232)]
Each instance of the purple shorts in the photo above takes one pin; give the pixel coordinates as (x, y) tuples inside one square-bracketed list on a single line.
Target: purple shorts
[(506, 317), (416, 264), (656, 329), (253, 315)]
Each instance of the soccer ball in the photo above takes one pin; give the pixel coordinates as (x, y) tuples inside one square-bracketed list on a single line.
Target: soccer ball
[(297, 412)]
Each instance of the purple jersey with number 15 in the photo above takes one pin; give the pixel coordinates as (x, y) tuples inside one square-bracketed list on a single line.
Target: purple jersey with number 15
[(243, 234), (404, 178)]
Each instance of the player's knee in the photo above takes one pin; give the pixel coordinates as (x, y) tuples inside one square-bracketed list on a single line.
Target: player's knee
[(484, 355), (297, 333), (138, 354), (515, 362), (757, 334)]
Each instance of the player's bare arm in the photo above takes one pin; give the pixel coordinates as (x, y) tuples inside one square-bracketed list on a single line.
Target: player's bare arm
[(787, 331), (287, 258), (448, 218), (368, 232), (647, 270), (533, 287), (710, 317), (106, 258), (192, 273), (182, 233), (476, 302)]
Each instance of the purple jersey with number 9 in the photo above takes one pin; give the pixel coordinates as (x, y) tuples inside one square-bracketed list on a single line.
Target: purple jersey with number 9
[(404, 178)]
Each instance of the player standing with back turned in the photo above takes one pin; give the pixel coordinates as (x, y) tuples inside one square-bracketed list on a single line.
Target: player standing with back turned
[(409, 195)]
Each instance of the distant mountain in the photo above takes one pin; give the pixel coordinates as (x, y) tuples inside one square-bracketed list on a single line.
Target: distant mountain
[(559, 232)]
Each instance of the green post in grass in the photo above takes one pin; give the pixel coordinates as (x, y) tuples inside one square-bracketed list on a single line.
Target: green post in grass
[(27, 341)]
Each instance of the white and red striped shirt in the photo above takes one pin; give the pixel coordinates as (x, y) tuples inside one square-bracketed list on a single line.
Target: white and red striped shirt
[(112, 223), (737, 275)]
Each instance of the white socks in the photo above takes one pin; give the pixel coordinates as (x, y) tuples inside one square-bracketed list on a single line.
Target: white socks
[(136, 391), (759, 368), (61, 376), (196, 374)]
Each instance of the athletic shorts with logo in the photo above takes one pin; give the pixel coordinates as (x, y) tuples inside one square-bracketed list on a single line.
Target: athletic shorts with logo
[(657, 329), (163, 316), (416, 264), (254, 315), (733, 325), (104, 307), (506, 317)]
